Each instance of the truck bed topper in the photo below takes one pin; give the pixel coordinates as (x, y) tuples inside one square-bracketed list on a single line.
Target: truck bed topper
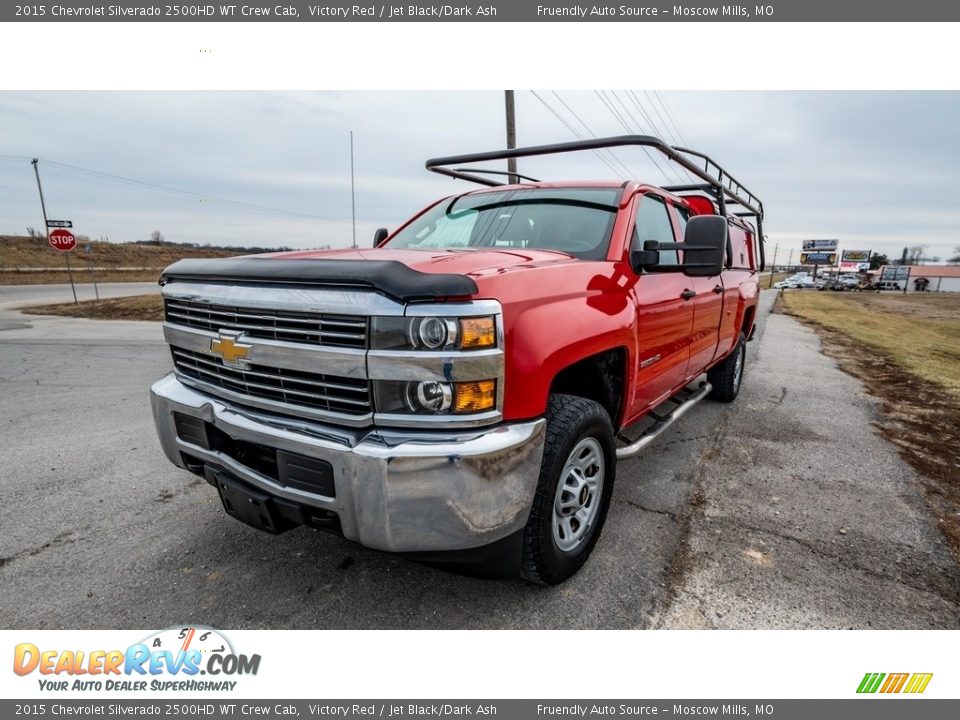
[(719, 184)]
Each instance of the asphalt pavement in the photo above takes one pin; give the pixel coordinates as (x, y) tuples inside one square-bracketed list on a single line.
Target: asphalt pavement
[(18, 295), (732, 519)]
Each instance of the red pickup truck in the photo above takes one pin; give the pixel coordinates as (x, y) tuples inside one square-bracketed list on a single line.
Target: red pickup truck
[(463, 391)]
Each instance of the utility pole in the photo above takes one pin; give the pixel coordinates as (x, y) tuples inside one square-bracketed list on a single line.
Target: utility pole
[(511, 133), (790, 261), (46, 229), (353, 199), (773, 265)]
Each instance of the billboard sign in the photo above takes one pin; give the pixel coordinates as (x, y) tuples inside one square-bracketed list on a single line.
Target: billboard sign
[(857, 256), (846, 266), (895, 273), (826, 245), (818, 258)]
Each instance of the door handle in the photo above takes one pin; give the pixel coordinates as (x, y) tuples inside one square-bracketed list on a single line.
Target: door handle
[(718, 289), (688, 294)]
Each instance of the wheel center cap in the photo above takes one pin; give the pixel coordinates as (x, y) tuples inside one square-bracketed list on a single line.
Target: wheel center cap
[(584, 495)]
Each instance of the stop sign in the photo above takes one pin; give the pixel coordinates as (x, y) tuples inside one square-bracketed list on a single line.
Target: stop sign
[(62, 240)]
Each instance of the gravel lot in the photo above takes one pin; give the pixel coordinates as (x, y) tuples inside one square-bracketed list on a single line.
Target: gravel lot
[(785, 509)]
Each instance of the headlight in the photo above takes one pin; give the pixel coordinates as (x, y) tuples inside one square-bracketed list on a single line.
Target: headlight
[(433, 333), (431, 397)]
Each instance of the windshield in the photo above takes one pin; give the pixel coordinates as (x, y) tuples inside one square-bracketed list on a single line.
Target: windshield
[(577, 221)]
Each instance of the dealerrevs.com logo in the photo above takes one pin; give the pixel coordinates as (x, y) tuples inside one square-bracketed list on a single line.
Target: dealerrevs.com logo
[(172, 659), (891, 683)]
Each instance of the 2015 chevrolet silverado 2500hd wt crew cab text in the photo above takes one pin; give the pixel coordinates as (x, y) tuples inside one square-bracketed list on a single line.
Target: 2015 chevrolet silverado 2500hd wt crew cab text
[(463, 390)]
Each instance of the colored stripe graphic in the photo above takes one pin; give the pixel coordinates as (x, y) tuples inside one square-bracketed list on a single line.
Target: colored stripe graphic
[(870, 682), (895, 683), (918, 682)]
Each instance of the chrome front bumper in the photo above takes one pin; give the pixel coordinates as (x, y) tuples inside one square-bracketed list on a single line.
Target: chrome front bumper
[(400, 491)]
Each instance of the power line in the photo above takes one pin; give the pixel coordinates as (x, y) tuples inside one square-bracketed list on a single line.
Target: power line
[(657, 111), (603, 98), (575, 133), (670, 116), (634, 98), (642, 110), (201, 196), (613, 156), (609, 105), (674, 175)]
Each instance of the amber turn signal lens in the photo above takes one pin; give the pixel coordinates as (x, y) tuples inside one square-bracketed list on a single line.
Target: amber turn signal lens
[(473, 397), (477, 332)]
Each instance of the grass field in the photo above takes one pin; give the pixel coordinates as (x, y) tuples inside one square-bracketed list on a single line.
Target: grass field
[(906, 351), (919, 332), (18, 252)]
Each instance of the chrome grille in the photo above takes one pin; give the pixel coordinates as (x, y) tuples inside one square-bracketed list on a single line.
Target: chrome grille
[(292, 387), (311, 329)]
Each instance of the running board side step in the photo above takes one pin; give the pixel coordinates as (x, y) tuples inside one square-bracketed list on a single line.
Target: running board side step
[(662, 423)]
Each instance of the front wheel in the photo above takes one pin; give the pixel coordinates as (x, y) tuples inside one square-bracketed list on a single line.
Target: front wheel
[(727, 377), (573, 492)]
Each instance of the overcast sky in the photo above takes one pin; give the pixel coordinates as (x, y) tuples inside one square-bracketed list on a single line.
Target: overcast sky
[(873, 169)]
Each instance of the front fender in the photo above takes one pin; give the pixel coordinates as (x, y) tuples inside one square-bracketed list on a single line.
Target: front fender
[(544, 338)]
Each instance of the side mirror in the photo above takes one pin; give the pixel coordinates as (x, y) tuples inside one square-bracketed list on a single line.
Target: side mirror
[(703, 246), (704, 243), (379, 236), (649, 258)]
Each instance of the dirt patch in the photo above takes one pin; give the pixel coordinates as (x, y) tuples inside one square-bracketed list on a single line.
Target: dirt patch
[(136, 307), (919, 416)]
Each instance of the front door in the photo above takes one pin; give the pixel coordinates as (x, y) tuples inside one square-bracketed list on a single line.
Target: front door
[(664, 313)]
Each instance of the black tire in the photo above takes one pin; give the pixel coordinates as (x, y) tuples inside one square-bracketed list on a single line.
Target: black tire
[(727, 377), (572, 422)]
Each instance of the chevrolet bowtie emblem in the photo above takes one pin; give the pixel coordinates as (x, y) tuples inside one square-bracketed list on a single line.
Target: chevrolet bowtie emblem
[(227, 347)]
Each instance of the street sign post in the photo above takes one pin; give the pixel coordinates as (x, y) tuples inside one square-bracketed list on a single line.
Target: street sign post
[(62, 240), (46, 223)]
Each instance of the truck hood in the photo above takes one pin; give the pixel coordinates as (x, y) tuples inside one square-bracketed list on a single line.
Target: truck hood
[(472, 263), (407, 275)]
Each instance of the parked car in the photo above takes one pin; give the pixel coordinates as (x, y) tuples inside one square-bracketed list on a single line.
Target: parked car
[(456, 393), (784, 284)]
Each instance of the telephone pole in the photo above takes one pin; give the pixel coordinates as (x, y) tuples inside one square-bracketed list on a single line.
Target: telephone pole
[(773, 265), (46, 228), (511, 132)]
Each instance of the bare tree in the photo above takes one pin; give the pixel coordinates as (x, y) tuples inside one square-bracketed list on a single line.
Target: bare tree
[(34, 233), (956, 256), (157, 237), (915, 253)]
